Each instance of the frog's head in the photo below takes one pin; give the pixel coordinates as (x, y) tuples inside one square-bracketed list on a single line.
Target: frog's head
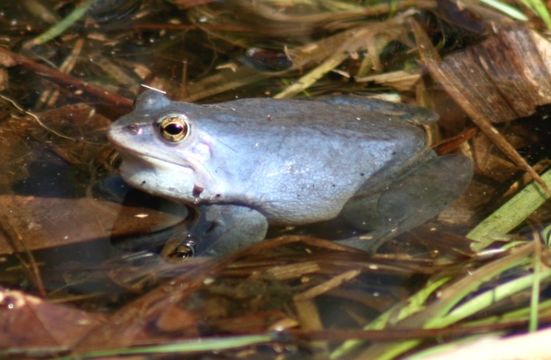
[(164, 151)]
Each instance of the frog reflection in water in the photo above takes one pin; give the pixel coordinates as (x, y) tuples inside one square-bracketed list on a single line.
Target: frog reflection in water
[(361, 164)]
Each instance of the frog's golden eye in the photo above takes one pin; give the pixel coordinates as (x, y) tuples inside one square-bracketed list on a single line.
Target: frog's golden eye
[(174, 127)]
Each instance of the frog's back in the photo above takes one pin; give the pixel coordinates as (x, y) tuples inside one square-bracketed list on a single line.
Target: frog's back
[(301, 161)]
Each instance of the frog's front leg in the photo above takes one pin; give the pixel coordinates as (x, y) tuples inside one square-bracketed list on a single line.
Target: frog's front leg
[(223, 229)]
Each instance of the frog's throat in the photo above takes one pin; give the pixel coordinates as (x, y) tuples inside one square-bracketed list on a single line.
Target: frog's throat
[(202, 178)]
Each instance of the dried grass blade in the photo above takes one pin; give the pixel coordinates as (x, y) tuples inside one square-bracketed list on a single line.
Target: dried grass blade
[(327, 286)]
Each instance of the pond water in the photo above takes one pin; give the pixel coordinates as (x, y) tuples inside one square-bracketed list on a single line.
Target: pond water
[(75, 233)]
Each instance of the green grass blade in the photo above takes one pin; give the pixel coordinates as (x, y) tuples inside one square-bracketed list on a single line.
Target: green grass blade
[(535, 298), (61, 26), (510, 215), (507, 9), (539, 8), (489, 298), (190, 346)]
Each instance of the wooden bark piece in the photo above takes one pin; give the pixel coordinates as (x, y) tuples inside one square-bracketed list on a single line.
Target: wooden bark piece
[(505, 77)]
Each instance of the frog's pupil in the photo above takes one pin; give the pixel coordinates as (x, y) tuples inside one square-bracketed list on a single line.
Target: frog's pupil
[(174, 129)]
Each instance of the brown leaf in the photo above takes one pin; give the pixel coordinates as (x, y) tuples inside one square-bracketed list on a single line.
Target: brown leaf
[(43, 222), (27, 322)]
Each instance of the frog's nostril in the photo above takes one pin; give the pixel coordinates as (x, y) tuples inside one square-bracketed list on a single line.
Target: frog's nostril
[(197, 190), (133, 129)]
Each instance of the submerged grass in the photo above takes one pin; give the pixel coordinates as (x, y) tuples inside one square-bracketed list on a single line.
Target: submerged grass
[(509, 216), (412, 305), (456, 300), (60, 27), (181, 347)]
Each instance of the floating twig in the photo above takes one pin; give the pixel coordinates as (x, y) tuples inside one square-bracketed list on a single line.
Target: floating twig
[(117, 103)]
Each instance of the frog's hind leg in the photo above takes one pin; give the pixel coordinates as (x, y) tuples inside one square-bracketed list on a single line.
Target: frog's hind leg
[(223, 229), (410, 201)]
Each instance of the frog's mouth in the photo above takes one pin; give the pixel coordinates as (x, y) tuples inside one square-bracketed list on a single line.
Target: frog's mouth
[(160, 178), (156, 162), (146, 159), (163, 177)]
